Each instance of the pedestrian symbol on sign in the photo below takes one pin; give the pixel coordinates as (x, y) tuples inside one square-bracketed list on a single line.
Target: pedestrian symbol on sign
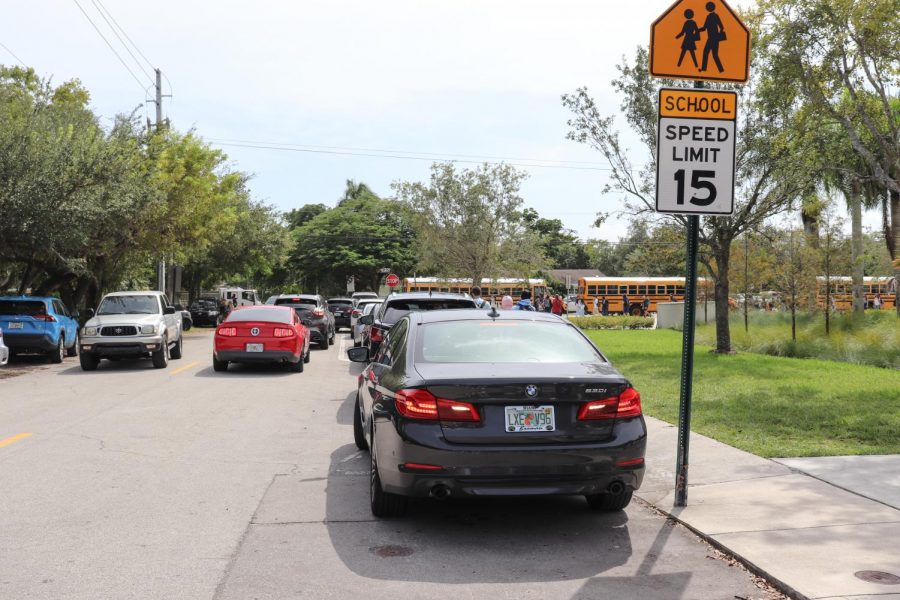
[(722, 40)]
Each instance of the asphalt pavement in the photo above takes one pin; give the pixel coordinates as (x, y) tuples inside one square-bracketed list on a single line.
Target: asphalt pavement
[(132, 482)]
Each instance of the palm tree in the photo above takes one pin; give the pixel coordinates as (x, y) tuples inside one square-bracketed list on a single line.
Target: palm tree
[(355, 190)]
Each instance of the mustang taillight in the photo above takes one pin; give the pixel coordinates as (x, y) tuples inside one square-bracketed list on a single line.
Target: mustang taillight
[(423, 405), (376, 334), (625, 405), (283, 332), (227, 331), (319, 312)]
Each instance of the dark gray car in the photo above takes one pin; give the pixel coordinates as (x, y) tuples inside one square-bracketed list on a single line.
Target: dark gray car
[(477, 403), (313, 311)]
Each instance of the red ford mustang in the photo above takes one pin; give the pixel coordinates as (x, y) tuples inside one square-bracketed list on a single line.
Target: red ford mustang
[(257, 334)]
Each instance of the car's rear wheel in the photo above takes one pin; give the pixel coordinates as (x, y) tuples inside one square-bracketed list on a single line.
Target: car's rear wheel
[(306, 356), (219, 365), (73, 351), (331, 338), (359, 433), (177, 350), (88, 361), (609, 502), (383, 504), (297, 367), (161, 356), (57, 355)]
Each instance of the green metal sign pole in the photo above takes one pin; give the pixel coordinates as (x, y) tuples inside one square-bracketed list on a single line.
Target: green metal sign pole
[(687, 363), (687, 358)]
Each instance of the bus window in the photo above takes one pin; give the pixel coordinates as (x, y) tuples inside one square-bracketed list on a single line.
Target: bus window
[(612, 290), (679, 290), (642, 290), (632, 290), (592, 290)]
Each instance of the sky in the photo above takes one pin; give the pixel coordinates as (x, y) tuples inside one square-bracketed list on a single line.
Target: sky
[(460, 79)]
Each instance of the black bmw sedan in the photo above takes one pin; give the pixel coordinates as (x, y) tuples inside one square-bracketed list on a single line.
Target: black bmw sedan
[(474, 403)]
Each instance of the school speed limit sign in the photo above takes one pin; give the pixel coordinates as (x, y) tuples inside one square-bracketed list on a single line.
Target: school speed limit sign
[(695, 151)]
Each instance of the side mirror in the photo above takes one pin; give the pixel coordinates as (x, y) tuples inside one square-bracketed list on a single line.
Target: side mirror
[(75, 314), (90, 312), (169, 310), (360, 355), (366, 319)]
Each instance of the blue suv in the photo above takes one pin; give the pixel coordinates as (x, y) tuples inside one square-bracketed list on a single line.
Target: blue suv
[(38, 324)]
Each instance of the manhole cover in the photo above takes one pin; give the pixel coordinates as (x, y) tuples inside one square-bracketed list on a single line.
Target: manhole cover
[(878, 577), (389, 551)]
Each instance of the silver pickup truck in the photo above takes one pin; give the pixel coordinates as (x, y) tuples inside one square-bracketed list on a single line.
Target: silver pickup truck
[(132, 325)]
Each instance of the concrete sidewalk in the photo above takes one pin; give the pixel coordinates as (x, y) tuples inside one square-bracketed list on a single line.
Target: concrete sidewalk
[(812, 538)]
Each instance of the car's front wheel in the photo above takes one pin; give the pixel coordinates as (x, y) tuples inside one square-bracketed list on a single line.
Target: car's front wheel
[(383, 504), (89, 362), (359, 432), (161, 356), (609, 502)]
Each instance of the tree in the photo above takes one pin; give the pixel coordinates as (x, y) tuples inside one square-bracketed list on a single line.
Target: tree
[(767, 181), (469, 223), (840, 57), (354, 239), (794, 272), (560, 245), (307, 212)]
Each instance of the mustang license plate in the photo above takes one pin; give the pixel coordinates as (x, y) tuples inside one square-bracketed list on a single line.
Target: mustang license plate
[(254, 347), (17, 325), (530, 418)]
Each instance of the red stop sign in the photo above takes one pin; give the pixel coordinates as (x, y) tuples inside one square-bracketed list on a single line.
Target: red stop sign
[(392, 280)]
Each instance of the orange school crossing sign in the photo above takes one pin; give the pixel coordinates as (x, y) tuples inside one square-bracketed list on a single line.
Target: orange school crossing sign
[(700, 39)]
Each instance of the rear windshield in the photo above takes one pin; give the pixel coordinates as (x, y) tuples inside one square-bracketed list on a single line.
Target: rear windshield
[(22, 307), (503, 342), (398, 309), (295, 301), (269, 315), (340, 303), (129, 305), (205, 303)]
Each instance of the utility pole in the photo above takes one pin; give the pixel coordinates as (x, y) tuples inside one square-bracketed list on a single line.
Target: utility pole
[(161, 266), (159, 98)]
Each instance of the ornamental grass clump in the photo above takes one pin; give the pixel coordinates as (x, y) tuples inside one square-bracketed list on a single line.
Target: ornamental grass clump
[(612, 322)]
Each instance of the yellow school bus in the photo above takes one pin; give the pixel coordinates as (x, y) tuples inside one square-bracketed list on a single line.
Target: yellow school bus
[(654, 289), (842, 291), (491, 289)]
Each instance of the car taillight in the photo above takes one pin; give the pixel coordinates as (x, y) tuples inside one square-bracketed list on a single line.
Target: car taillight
[(282, 332), (421, 404), (319, 312), (48, 318), (227, 331), (376, 334), (625, 405), (355, 313)]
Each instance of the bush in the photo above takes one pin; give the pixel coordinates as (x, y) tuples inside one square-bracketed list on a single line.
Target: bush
[(872, 338), (612, 322)]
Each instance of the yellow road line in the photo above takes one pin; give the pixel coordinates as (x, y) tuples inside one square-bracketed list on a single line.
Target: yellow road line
[(14, 439), (185, 367)]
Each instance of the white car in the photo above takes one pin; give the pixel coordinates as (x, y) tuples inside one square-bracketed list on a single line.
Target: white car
[(365, 307), (4, 351)]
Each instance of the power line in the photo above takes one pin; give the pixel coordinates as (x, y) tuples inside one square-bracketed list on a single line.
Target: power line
[(119, 37), (127, 37), (403, 157), (407, 152), (13, 54), (100, 33)]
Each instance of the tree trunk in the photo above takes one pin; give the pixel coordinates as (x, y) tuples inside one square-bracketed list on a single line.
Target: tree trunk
[(721, 255), (892, 245), (856, 247)]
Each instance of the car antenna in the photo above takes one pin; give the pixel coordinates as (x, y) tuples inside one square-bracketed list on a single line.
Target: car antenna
[(493, 312)]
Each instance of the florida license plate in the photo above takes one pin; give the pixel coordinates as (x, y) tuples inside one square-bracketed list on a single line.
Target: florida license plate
[(530, 418), (254, 347), (17, 325)]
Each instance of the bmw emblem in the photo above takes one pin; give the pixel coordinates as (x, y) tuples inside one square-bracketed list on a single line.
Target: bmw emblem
[(531, 391), (254, 331)]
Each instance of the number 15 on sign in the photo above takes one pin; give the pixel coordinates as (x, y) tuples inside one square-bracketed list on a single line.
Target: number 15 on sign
[(696, 151)]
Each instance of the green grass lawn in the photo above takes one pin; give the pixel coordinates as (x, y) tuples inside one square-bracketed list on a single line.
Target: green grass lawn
[(768, 405)]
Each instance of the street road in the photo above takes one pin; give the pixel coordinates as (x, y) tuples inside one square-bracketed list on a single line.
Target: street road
[(132, 482)]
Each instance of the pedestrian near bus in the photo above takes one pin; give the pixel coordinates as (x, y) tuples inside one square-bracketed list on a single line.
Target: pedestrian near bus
[(525, 302), (625, 305), (877, 303), (580, 308), (605, 306), (595, 306), (645, 305), (476, 296), (556, 306), (506, 303)]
